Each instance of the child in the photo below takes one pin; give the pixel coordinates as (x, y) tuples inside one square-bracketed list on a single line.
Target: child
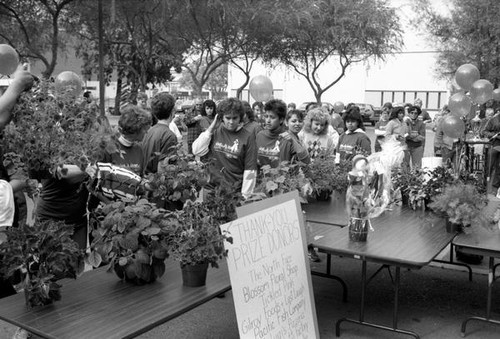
[(354, 140), (315, 133), (292, 148), (381, 124)]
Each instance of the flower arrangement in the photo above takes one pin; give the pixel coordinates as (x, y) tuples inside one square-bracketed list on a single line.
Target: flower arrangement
[(133, 239), (285, 178), (326, 174), (369, 186), (41, 254), (180, 177), (50, 131), (462, 203)]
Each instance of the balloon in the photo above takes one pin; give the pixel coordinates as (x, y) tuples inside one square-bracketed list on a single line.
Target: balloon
[(338, 107), (261, 88), (496, 94), (453, 126), (459, 104), (481, 91), (8, 59), (466, 75), (68, 83)]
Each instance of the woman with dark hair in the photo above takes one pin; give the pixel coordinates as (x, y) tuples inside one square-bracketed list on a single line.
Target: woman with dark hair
[(397, 129), (232, 148), (208, 113), (249, 119), (354, 140)]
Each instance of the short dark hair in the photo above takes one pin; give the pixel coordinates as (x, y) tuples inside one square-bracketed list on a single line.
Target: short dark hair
[(353, 113), (297, 112), (276, 106), (162, 105), (395, 112), (208, 103), (258, 103), (231, 105), (415, 108), (133, 119)]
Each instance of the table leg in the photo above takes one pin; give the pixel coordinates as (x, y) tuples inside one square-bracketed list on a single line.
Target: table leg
[(362, 308), (452, 262), (491, 280), (332, 276)]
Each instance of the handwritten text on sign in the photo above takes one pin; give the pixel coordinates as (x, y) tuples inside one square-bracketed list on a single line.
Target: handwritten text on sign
[(269, 274)]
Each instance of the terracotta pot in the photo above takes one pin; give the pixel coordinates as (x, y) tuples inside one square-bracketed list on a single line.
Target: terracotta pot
[(358, 229), (194, 275)]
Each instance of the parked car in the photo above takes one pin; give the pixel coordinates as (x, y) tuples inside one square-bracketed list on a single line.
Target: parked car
[(367, 113), (303, 106)]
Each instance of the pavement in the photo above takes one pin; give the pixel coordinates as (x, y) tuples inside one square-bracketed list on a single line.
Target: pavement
[(433, 303)]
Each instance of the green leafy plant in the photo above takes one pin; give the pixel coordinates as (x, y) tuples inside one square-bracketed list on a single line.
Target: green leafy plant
[(196, 237), (461, 203), (50, 131), (327, 175), (285, 178), (180, 177), (41, 254), (133, 239)]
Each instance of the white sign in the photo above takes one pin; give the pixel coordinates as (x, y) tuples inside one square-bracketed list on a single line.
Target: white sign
[(269, 270)]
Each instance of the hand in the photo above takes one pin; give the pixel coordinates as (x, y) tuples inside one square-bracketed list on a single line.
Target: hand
[(22, 79), (197, 118)]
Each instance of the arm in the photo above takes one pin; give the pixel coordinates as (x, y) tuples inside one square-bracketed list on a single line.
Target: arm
[(22, 81), (201, 145), (250, 171), (365, 144)]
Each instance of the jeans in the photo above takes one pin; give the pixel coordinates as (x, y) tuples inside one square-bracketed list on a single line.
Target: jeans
[(416, 155)]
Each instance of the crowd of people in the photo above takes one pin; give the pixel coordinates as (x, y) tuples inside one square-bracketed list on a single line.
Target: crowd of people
[(237, 138)]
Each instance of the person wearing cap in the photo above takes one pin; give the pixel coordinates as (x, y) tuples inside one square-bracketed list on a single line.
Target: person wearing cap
[(416, 137), (354, 140)]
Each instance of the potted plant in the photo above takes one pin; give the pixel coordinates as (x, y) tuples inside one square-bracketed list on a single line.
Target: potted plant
[(462, 204), (180, 177), (41, 255), (51, 131), (328, 175), (283, 179), (133, 238), (197, 241)]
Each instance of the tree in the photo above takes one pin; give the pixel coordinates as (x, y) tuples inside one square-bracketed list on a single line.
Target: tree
[(338, 31), (200, 27), (36, 28), (137, 45), (469, 33)]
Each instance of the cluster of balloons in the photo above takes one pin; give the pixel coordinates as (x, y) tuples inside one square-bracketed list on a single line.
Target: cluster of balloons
[(467, 79), (261, 88)]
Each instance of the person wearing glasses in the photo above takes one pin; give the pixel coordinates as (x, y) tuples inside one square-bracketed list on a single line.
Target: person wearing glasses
[(416, 137)]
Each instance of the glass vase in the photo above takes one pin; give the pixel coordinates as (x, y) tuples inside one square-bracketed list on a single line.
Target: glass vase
[(358, 229)]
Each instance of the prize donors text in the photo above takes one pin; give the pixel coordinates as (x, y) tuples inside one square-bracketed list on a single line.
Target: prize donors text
[(263, 235)]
